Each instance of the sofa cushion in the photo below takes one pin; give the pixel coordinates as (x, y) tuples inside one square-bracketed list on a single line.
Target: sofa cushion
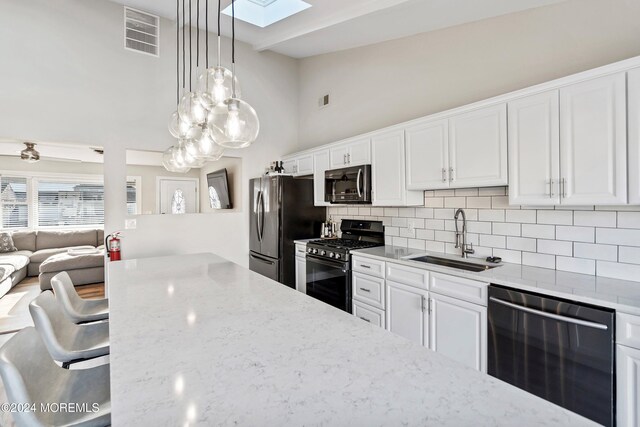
[(17, 260), (100, 238), (6, 271), (64, 239), (43, 254), (25, 240), (65, 262), (6, 243)]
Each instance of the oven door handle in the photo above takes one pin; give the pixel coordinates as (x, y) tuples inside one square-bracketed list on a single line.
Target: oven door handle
[(341, 265), (551, 315)]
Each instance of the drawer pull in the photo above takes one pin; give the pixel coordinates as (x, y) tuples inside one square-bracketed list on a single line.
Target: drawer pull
[(366, 320), (365, 266), (365, 290)]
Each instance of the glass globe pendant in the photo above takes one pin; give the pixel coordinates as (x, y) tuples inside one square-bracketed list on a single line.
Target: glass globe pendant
[(191, 109), (234, 124), (181, 129), (168, 161), (216, 85), (207, 147)]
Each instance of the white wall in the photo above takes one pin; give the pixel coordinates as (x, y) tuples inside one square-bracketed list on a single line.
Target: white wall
[(380, 85), (66, 77)]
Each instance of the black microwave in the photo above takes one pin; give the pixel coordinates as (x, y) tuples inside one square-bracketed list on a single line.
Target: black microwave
[(350, 185)]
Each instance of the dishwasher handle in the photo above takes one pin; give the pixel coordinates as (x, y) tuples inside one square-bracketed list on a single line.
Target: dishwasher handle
[(550, 315)]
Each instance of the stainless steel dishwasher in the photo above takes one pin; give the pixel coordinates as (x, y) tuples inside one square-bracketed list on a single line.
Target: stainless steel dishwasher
[(559, 350)]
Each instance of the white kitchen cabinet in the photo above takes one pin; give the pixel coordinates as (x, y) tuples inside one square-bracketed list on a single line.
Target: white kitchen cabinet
[(427, 155), (369, 314), (478, 148), (300, 165), (368, 289), (301, 268), (593, 141), (458, 330), (534, 149), (628, 386), (407, 313), (388, 172), (290, 165), (633, 102), (320, 166), (355, 152)]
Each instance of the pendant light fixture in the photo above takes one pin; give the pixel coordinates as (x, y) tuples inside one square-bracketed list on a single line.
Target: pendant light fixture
[(234, 123)]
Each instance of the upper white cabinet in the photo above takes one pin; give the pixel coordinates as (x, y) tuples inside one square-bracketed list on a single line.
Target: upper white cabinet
[(320, 165), (353, 153), (464, 150), (427, 155), (593, 142), (387, 171), (299, 165), (534, 149), (568, 146), (478, 147), (633, 80), (407, 313)]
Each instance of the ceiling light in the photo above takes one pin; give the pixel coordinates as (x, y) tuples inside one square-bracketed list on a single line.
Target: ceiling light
[(30, 154), (263, 13)]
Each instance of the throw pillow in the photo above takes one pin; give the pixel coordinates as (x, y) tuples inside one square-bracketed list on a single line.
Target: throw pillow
[(6, 243)]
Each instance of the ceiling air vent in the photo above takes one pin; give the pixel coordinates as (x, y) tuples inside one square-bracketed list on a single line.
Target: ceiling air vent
[(141, 31)]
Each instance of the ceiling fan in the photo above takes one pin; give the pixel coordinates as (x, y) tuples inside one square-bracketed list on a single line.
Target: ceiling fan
[(30, 154)]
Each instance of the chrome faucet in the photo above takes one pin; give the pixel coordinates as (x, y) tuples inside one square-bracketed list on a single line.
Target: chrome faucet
[(466, 248)]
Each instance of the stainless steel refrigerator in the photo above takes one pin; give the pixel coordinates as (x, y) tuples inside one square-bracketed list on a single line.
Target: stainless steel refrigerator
[(282, 211)]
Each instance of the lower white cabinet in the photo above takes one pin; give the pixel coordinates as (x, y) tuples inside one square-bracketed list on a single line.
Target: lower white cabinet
[(369, 314), (628, 370), (301, 268), (458, 330), (407, 313)]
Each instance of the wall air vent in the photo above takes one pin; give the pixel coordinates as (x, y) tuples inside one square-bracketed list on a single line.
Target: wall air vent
[(141, 32)]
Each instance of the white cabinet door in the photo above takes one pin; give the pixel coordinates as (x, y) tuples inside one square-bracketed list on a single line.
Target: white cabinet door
[(458, 330), (478, 148), (305, 165), (290, 166), (633, 79), (387, 169), (534, 150), (628, 386), (338, 156), (359, 152), (406, 312), (593, 141), (427, 155), (320, 165), (301, 274)]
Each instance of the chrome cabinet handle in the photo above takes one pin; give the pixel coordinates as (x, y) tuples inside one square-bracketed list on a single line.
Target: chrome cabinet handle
[(365, 290), (550, 315), (366, 320), (349, 158), (444, 175), (551, 188), (451, 174), (365, 266), (344, 159), (563, 188), (423, 300)]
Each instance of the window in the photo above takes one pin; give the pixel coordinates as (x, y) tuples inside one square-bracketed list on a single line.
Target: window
[(133, 196), (14, 202), (68, 203), (178, 204)]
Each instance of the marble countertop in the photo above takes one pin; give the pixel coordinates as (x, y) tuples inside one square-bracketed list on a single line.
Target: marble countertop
[(199, 340), (621, 295)]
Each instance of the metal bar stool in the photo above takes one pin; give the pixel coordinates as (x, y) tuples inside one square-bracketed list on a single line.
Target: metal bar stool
[(32, 380), (66, 341), (78, 309)]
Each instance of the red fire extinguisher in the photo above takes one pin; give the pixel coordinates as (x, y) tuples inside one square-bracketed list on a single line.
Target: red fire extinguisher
[(112, 242)]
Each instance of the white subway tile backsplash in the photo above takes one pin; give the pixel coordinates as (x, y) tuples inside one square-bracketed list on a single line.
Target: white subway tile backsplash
[(539, 231), (576, 234), (555, 217), (521, 244), (602, 240), (576, 265), (538, 260), (506, 229), (555, 247), (594, 219), (521, 216), (595, 251)]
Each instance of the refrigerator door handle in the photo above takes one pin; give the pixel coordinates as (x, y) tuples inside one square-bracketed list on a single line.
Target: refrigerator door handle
[(261, 215), (258, 202)]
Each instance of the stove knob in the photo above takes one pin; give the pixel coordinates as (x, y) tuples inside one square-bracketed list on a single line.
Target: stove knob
[(338, 256), (331, 254), (315, 251), (309, 250), (323, 253)]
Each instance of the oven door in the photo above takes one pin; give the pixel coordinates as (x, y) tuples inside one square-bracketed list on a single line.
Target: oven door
[(329, 281)]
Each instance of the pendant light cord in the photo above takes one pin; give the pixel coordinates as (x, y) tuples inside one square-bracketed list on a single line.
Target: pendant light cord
[(219, 32), (233, 49), (177, 51), (206, 26), (190, 45), (184, 62), (197, 34)]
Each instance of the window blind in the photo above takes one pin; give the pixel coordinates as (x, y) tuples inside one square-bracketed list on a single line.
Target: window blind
[(132, 207), (14, 202), (63, 203)]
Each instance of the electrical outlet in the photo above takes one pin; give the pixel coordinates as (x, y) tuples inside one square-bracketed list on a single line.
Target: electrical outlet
[(411, 228)]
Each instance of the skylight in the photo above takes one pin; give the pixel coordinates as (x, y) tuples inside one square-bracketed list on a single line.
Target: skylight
[(266, 12)]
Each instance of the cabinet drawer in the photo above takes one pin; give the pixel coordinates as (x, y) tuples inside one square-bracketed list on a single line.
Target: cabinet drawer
[(628, 330), (368, 266), (408, 275), (301, 249), (458, 287), (368, 289), (369, 314)]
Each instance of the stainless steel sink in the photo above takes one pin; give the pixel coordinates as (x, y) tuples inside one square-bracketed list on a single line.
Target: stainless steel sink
[(446, 262)]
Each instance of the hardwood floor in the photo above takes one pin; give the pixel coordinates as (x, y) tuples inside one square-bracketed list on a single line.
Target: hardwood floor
[(14, 306)]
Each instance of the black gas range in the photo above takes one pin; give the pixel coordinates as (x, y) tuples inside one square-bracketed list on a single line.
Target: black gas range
[(329, 261)]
